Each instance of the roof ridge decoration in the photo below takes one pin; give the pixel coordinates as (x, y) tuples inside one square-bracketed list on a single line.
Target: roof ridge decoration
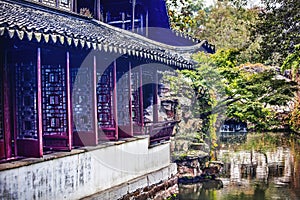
[(23, 21)]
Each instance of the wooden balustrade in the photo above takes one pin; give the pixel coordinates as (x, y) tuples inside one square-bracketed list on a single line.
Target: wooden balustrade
[(159, 131)]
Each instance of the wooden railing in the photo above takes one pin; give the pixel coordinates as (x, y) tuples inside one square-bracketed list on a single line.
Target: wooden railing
[(159, 131)]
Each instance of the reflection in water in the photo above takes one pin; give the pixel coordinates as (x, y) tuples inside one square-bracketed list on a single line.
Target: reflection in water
[(273, 174)]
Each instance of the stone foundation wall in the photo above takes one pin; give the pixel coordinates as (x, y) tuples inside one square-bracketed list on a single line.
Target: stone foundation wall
[(157, 191), (155, 185), (83, 172)]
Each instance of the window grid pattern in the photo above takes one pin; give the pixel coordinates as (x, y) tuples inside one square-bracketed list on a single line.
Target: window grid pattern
[(82, 92), (105, 88), (65, 4), (136, 107), (26, 108), (54, 100), (123, 98), (49, 2)]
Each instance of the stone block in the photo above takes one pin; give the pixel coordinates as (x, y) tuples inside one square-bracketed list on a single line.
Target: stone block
[(117, 192), (137, 184), (155, 177)]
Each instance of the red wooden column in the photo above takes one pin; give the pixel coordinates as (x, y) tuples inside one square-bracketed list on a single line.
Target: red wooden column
[(94, 84), (6, 110), (14, 111), (155, 97), (141, 99), (98, 9), (115, 107), (2, 143), (130, 99), (39, 103), (74, 6), (69, 104)]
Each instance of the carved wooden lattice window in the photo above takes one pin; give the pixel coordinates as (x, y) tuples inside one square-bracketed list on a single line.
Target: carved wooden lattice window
[(54, 100), (136, 107), (82, 93), (105, 86), (123, 98), (26, 93), (64, 4), (49, 2), (104, 98)]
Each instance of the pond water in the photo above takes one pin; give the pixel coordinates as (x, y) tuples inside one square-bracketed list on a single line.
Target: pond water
[(272, 171)]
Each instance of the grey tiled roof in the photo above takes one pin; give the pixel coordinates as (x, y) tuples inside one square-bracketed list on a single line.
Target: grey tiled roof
[(28, 21)]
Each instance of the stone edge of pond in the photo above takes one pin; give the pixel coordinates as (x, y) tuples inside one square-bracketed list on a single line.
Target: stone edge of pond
[(160, 184)]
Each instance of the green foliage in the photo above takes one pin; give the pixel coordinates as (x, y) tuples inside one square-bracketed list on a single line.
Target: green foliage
[(253, 91), (198, 90), (262, 143), (226, 26), (246, 92), (182, 14), (173, 196), (279, 26), (267, 34), (203, 82), (292, 62), (227, 82), (295, 118)]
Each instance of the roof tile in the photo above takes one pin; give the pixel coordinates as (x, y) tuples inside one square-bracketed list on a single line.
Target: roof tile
[(21, 18)]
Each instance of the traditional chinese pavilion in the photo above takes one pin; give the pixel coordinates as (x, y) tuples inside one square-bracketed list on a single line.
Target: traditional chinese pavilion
[(79, 72)]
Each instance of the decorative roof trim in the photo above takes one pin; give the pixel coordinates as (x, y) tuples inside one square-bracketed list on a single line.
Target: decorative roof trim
[(179, 49), (22, 19)]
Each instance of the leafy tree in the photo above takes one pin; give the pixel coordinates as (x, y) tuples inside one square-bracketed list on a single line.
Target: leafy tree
[(182, 14), (228, 26), (254, 91), (279, 27), (246, 92), (292, 63), (197, 90), (222, 83)]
